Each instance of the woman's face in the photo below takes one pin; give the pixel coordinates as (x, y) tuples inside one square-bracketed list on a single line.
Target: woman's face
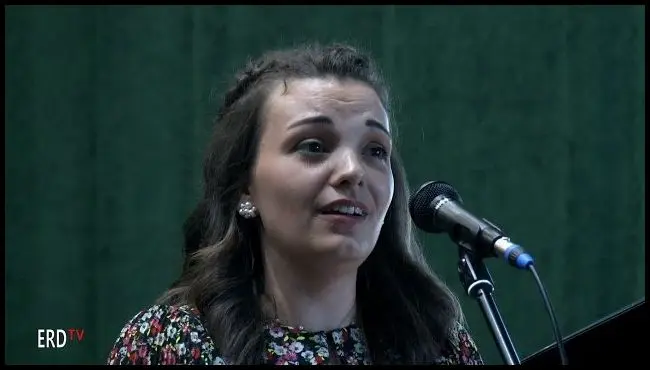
[(322, 181)]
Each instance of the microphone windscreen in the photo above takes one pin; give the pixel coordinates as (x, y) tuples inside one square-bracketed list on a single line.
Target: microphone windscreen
[(420, 208)]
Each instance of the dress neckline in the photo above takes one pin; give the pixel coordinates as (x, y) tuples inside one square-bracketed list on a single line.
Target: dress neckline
[(277, 324)]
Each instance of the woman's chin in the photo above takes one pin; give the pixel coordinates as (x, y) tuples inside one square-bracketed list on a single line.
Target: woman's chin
[(342, 246)]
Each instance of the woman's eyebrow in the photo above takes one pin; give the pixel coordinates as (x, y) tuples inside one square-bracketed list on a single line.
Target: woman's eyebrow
[(325, 120)]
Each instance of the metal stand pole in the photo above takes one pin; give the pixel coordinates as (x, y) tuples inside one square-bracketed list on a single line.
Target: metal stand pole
[(477, 282)]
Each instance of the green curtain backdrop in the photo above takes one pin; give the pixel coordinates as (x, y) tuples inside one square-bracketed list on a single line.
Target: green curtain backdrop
[(534, 113)]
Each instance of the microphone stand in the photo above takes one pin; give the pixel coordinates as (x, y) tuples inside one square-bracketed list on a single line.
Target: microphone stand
[(477, 282)]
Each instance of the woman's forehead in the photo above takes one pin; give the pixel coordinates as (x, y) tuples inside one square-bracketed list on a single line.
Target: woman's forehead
[(299, 98)]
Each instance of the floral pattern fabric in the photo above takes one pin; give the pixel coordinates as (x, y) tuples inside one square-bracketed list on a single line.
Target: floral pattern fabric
[(170, 335)]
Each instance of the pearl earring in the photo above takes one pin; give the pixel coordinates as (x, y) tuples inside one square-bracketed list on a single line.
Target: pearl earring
[(247, 209)]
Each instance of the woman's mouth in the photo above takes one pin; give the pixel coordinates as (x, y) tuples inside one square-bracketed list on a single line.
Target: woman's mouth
[(345, 211), (344, 214), (346, 207)]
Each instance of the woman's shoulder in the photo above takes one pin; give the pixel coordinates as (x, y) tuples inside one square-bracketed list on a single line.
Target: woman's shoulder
[(164, 334), (462, 349)]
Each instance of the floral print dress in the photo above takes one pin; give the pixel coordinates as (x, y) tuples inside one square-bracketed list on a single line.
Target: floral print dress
[(168, 335)]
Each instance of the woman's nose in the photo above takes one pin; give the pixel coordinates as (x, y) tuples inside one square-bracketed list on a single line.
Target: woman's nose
[(348, 170)]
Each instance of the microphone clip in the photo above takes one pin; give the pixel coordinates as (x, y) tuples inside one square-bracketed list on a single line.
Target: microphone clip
[(480, 241)]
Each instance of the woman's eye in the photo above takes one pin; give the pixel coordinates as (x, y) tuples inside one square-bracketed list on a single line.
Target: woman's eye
[(311, 147), (379, 152)]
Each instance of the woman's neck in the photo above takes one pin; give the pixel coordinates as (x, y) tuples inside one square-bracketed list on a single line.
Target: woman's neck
[(315, 298)]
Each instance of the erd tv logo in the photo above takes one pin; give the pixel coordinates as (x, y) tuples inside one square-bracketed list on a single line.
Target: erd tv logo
[(58, 338)]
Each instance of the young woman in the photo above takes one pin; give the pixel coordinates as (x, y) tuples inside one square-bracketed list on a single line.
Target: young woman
[(301, 250)]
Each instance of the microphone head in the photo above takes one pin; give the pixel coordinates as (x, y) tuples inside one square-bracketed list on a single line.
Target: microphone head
[(422, 213)]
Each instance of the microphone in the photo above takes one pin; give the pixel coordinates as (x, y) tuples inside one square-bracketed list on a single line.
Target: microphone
[(437, 207)]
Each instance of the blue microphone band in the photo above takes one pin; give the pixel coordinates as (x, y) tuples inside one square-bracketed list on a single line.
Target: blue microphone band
[(516, 256)]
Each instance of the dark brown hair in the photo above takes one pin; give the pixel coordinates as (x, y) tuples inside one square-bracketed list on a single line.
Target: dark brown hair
[(403, 308)]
